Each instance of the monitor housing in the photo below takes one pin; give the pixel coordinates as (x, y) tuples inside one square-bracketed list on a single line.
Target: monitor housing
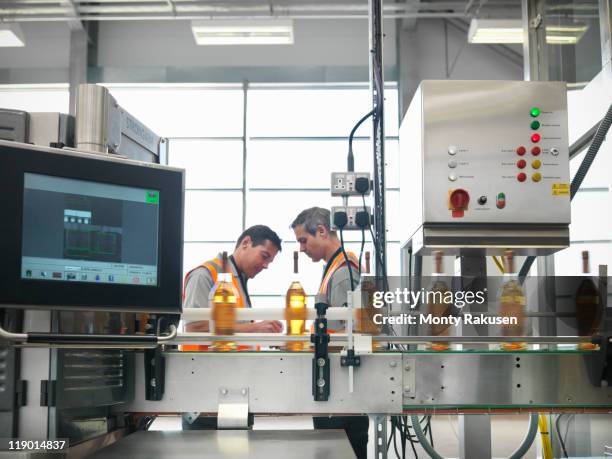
[(87, 231)]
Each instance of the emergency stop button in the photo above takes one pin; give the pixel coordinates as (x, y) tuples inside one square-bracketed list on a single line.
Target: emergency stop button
[(458, 202)]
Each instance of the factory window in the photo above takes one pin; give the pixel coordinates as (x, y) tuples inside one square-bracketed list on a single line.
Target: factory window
[(292, 138), (204, 125), (35, 98), (296, 137), (591, 227)]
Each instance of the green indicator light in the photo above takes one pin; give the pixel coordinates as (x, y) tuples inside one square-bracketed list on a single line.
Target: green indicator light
[(152, 197), (535, 125), (535, 111)]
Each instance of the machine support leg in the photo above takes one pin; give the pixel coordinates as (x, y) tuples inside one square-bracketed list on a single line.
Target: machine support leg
[(320, 362), (380, 436)]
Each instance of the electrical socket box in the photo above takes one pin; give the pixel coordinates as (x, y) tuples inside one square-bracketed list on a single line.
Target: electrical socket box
[(343, 183), (351, 213)]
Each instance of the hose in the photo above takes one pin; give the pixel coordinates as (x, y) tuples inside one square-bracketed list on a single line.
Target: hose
[(532, 431), (545, 434), (416, 425), (518, 454), (598, 140)]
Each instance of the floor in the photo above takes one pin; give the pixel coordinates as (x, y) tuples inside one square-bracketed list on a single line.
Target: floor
[(507, 432)]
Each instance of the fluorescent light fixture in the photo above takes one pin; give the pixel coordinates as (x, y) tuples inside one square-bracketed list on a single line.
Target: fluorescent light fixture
[(252, 32), (11, 35), (511, 31)]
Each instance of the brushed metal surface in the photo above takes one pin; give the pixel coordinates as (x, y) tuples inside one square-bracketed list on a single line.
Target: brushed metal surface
[(505, 380), (281, 382), (213, 444), (276, 383), (93, 115), (464, 135)]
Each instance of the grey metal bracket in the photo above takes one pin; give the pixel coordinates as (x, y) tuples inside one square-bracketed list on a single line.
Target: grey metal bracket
[(233, 412), (380, 436), (409, 376), (191, 416), (47, 392)]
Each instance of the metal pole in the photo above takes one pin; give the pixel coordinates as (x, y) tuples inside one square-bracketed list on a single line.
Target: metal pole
[(378, 133), (245, 89), (605, 28), (535, 54), (78, 65)]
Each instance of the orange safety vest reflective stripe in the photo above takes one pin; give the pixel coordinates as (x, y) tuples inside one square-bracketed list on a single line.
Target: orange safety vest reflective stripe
[(214, 266), (338, 262)]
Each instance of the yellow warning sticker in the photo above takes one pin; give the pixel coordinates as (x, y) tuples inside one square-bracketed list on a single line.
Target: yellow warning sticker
[(560, 189)]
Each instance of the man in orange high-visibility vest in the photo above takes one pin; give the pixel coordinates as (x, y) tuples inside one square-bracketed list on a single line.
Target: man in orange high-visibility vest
[(255, 250), (313, 232)]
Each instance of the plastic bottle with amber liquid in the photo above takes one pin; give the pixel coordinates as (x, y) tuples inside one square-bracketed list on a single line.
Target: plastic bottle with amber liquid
[(364, 316), (295, 310), (512, 302), (436, 305), (224, 300), (588, 310)]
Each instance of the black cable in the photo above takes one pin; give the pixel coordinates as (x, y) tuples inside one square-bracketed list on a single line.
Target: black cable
[(569, 420), (559, 437), (430, 431), (395, 438), (361, 250), (350, 160), (377, 253), (598, 139), (362, 234), (346, 259)]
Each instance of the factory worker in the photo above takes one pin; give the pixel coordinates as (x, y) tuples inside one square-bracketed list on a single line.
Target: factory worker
[(255, 250), (317, 240)]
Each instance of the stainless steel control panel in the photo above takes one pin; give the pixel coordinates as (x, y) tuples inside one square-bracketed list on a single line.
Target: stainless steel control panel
[(485, 152)]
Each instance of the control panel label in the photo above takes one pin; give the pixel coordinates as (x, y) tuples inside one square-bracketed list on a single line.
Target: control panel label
[(560, 189)]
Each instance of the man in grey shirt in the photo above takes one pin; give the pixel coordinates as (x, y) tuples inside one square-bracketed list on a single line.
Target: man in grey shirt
[(317, 240), (255, 250)]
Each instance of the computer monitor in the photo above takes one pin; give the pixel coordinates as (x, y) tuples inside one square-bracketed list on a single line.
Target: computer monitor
[(88, 231)]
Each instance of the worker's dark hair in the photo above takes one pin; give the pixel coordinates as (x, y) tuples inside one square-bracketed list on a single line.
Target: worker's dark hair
[(312, 218), (260, 234)]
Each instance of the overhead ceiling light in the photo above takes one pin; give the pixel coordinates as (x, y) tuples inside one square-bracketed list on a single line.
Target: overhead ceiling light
[(11, 35), (259, 32), (511, 31)]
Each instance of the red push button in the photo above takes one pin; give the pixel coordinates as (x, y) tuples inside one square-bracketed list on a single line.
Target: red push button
[(535, 151), (535, 138), (521, 177), (459, 199), (521, 151), (521, 163)]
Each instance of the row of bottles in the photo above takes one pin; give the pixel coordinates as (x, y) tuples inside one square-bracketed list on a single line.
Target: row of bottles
[(512, 301), (224, 300), (513, 304)]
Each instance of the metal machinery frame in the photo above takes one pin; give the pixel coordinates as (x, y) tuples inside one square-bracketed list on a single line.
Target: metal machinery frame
[(161, 380)]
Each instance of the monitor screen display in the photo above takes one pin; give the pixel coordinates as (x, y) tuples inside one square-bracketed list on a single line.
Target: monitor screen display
[(89, 232), (85, 231)]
